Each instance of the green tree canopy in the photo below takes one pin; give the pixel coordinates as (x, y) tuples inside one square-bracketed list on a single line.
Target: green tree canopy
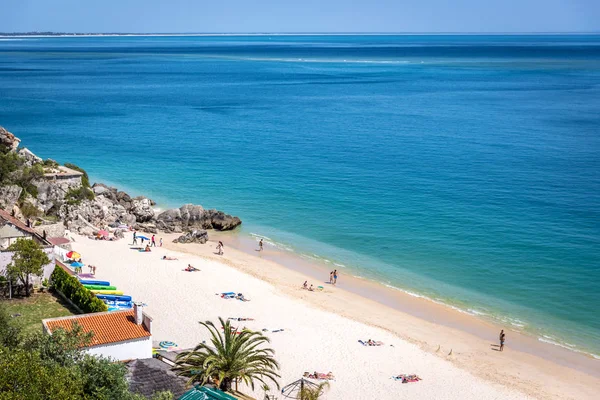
[(28, 259), (232, 356), (55, 367)]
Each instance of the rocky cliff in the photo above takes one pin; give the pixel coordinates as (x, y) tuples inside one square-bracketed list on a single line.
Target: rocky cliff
[(62, 193)]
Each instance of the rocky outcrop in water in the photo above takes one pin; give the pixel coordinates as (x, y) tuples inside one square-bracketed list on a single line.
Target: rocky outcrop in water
[(196, 236)]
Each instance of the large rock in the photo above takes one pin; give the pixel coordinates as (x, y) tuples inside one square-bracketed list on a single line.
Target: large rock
[(192, 216), (98, 212), (9, 195), (221, 221), (141, 207), (29, 157), (196, 236), (8, 140)]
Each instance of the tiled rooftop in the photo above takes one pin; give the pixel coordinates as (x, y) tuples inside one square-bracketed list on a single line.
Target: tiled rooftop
[(108, 327), (5, 215)]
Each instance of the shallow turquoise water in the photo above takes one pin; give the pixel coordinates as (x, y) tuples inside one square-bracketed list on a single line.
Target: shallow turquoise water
[(461, 168)]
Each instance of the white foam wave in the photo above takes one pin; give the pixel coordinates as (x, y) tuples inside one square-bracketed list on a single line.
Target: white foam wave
[(256, 235), (339, 265)]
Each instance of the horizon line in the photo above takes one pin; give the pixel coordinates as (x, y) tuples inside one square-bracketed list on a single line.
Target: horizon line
[(47, 32)]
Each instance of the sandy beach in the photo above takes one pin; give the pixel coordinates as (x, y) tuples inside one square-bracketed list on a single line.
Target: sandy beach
[(321, 329)]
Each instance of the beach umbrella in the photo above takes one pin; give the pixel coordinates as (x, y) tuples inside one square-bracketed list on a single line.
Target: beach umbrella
[(142, 237), (73, 254), (102, 232), (77, 264), (292, 390)]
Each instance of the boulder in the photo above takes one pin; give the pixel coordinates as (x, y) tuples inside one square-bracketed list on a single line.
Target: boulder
[(196, 236), (223, 222), (9, 195), (29, 157), (141, 207), (148, 228), (8, 140), (192, 216)]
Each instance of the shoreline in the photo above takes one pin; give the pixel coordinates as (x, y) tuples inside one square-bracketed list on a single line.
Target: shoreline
[(414, 304), (473, 353)]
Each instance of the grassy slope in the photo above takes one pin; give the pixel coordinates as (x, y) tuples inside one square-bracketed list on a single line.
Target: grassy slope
[(35, 308)]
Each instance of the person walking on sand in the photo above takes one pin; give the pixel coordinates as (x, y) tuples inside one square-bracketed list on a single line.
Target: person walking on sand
[(502, 338), (220, 248), (134, 237), (334, 276), (260, 245), (153, 241)]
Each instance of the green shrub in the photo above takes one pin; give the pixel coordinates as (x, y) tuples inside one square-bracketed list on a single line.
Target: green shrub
[(49, 163), (75, 196), (29, 210), (74, 291), (85, 180)]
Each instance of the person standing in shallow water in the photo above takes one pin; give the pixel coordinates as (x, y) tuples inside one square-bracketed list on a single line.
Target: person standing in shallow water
[(502, 338)]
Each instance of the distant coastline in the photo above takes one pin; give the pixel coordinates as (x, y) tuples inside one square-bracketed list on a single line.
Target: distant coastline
[(177, 34)]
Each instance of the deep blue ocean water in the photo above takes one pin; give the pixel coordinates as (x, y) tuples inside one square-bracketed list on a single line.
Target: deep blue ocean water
[(461, 168)]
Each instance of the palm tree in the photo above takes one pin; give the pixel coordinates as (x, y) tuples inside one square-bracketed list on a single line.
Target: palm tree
[(232, 356), (312, 392)]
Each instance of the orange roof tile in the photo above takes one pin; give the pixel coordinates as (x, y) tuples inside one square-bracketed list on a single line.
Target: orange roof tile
[(5, 215), (108, 327)]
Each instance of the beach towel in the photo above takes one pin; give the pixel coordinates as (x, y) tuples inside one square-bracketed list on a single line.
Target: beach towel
[(407, 378), (226, 295), (320, 376)]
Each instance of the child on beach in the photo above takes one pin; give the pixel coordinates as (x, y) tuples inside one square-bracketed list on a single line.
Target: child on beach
[(160, 243)]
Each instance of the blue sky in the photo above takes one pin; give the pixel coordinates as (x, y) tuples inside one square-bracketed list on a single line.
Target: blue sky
[(300, 15)]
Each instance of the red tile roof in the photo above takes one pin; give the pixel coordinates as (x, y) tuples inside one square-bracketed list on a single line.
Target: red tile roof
[(5, 215), (108, 327), (58, 240)]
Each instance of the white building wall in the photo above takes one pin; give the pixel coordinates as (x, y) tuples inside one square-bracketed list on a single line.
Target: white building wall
[(6, 258), (139, 348)]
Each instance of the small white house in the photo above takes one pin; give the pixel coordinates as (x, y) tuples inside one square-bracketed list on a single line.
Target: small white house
[(120, 335)]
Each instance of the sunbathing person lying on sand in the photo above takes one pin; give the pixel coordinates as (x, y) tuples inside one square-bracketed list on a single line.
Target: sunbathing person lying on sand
[(405, 378), (370, 343), (191, 269), (317, 375), (169, 258), (240, 296)]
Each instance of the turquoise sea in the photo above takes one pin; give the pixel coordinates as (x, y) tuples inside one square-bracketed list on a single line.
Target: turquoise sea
[(461, 168)]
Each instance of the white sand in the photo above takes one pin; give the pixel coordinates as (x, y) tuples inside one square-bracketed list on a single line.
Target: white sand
[(313, 340)]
